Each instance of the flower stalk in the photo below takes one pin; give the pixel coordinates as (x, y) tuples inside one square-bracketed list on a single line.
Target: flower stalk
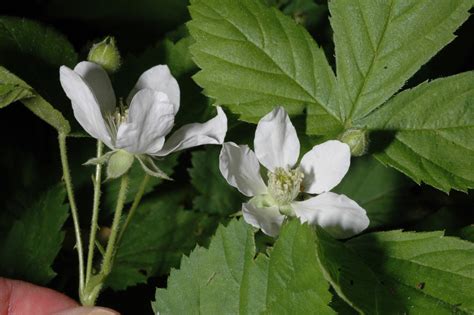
[(133, 208), (95, 212), (94, 285), (111, 248), (72, 203)]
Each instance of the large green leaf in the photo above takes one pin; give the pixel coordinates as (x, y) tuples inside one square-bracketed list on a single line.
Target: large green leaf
[(28, 249), (353, 279), (227, 278), (381, 44), (430, 132), (296, 284), (382, 191), (304, 12), (253, 58), (14, 89), (34, 53), (215, 195), (159, 234), (29, 38), (428, 272)]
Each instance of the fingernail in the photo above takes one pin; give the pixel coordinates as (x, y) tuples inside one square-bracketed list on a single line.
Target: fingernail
[(88, 310)]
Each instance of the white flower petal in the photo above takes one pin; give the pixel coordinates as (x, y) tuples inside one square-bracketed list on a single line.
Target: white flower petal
[(339, 215), (276, 143), (211, 132), (150, 119), (268, 219), (99, 83), (84, 104), (158, 78), (239, 166), (325, 166)]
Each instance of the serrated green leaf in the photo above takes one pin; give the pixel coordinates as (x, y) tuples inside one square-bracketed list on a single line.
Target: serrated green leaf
[(179, 57), (34, 102), (33, 39), (196, 279), (159, 234), (44, 110), (10, 93), (29, 248), (430, 273), (288, 281), (296, 284), (430, 132), (353, 280), (381, 44), (253, 58), (382, 191), (35, 53), (215, 195), (304, 12)]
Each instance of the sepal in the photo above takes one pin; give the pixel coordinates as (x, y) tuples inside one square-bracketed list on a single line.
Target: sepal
[(101, 160), (150, 167)]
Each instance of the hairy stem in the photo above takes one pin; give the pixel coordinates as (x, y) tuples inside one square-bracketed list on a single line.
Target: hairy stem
[(72, 203), (111, 244), (95, 212), (133, 208), (96, 282)]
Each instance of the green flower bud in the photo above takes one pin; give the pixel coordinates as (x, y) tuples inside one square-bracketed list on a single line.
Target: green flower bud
[(357, 140), (106, 55), (119, 163)]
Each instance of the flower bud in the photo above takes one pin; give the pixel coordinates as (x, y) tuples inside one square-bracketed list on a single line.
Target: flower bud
[(119, 163), (357, 140), (105, 54)]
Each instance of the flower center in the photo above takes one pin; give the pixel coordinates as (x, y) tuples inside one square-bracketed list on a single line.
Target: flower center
[(284, 185), (116, 119)]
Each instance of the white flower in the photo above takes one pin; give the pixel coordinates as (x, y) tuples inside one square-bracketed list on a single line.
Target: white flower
[(277, 148), (140, 126)]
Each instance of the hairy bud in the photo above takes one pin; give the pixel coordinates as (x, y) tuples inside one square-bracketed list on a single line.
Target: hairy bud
[(106, 54)]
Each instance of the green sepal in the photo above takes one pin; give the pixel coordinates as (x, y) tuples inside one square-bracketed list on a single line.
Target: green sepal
[(150, 167), (119, 163), (100, 160)]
